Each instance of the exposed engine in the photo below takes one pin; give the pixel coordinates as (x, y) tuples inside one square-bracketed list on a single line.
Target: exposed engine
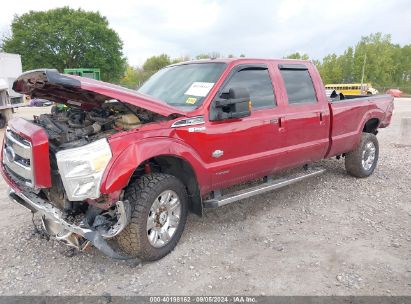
[(70, 127), (73, 127)]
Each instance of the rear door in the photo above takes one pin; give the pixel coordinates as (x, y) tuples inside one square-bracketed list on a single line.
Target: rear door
[(306, 118)]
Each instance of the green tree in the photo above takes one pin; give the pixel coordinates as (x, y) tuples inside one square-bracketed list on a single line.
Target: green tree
[(202, 56), (330, 70), (180, 59), (155, 63), (386, 64), (297, 55), (133, 77), (208, 55), (345, 62), (66, 38), (402, 65), (379, 53)]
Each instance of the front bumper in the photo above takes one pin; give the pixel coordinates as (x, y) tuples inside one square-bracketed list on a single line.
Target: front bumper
[(36, 204)]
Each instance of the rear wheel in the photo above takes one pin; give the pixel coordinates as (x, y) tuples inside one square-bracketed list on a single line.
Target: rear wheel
[(362, 161), (159, 203)]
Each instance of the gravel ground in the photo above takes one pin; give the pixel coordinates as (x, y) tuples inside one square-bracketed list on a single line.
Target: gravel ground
[(330, 235)]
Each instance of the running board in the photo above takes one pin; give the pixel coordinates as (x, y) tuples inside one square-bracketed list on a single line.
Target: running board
[(262, 188)]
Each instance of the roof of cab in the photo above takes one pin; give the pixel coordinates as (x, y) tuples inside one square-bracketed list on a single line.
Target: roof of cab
[(242, 60)]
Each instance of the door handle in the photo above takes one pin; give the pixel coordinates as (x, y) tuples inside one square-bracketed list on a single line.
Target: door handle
[(281, 124), (321, 117)]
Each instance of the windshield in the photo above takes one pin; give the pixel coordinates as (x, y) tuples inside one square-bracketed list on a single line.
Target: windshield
[(183, 86)]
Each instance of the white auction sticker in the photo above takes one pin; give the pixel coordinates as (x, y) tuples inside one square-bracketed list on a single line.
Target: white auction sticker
[(200, 89)]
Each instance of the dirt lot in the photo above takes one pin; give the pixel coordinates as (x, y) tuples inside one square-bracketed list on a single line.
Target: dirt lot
[(331, 235)]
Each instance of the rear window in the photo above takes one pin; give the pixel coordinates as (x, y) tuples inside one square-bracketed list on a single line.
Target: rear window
[(299, 86)]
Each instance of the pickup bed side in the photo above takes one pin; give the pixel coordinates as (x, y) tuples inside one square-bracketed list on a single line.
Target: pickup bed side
[(351, 117)]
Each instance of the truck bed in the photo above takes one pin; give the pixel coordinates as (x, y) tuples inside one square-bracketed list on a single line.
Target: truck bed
[(349, 117)]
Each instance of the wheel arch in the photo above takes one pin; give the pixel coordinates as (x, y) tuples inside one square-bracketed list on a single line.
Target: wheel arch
[(371, 125), (178, 167), (163, 155)]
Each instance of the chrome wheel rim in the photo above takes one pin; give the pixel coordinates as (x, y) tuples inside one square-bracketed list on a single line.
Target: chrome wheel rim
[(368, 156), (163, 218)]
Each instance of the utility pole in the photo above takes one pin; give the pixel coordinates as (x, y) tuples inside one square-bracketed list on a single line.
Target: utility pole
[(363, 70)]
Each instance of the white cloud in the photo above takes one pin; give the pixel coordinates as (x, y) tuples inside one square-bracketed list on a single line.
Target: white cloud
[(261, 28)]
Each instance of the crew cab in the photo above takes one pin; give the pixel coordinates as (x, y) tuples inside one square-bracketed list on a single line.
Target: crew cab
[(129, 165)]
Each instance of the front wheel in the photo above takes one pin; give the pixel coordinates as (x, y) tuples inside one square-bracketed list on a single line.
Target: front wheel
[(362, 161), (159, 203)]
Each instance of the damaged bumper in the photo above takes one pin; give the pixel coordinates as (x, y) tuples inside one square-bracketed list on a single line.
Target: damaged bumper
[(69, 232)]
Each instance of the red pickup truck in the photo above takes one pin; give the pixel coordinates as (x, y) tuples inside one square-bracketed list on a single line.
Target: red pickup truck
[(129, 165)]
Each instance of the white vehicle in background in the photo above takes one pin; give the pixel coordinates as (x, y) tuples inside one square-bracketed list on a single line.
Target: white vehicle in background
[(371, 90), (10, 69)]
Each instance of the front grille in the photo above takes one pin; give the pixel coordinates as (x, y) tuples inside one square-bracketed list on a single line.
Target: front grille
[(18, 158)]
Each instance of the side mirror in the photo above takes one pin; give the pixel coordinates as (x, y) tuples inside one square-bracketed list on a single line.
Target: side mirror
[(237, 105)]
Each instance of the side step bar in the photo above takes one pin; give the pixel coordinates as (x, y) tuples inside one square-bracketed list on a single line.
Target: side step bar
[(262, 188)]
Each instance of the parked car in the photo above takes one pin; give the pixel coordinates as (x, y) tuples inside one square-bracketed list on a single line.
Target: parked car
[(37, 102), (394, 92), (131, 170)]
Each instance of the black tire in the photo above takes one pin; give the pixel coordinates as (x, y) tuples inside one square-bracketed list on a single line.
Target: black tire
[(141, 194), (354, 159)]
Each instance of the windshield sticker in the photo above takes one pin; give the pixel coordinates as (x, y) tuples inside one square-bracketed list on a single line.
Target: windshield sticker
[(199, 89), (191, 100)]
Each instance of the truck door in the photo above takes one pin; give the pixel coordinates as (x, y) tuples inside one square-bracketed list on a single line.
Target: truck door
[(240, 149), (306, 116)]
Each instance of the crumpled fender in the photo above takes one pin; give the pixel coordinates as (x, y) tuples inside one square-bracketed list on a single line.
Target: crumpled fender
[(126, 159)]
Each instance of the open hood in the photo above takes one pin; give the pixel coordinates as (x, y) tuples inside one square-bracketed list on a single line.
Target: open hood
[(84, 92)]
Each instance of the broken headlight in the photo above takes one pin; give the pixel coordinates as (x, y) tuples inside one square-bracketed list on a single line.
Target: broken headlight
[(81, 169)]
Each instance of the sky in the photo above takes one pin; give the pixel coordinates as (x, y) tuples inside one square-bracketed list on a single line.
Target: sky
[(257, 28)]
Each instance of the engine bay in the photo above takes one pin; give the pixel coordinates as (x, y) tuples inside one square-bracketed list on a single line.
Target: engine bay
[(69, 127)]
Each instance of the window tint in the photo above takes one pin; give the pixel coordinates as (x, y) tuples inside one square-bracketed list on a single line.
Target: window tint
[(258, 83), (299, 86)]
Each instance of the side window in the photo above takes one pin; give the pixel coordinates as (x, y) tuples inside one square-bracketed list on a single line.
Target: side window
[(258, 83), (299, 86)]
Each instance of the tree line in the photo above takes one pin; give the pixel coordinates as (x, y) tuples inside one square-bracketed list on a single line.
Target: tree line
[(67, 38), (386, 65), (136, 76)]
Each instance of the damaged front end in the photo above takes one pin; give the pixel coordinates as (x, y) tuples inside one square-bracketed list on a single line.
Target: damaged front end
[(62, 185), (54, 163), (91, 229)]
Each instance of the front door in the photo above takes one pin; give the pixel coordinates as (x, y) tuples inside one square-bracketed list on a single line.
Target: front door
[(239, 150)]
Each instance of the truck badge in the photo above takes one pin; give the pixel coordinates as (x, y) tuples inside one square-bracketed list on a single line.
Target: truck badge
[(217, 153)]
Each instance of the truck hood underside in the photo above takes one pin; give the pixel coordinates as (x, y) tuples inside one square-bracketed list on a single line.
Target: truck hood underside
[(84, 92)]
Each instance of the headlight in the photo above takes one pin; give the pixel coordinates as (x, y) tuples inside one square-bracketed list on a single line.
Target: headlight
[(81, 169)]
